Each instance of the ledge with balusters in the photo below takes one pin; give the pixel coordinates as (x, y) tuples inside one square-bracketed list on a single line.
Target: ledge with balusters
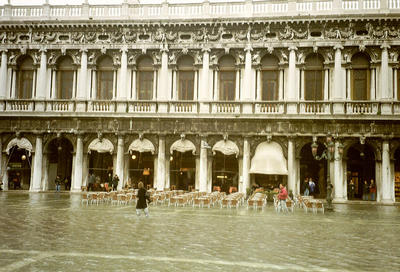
[(182, 108), (131, 9)]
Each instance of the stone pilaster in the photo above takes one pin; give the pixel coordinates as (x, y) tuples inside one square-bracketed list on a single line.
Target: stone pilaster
[(37, 165), (161, 163), (203, 165), (246, 166), (119, 168), (78, 164), (291, 86), (291, 164), (387, 183)]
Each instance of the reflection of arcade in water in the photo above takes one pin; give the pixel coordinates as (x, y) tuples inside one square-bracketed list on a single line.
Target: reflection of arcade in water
[(19, 169), (182, 170), (141, 168), (225, 172)]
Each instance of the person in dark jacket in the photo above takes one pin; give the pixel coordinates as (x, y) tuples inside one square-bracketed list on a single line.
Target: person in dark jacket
[(115, 181), (142, 199), (365, 190)]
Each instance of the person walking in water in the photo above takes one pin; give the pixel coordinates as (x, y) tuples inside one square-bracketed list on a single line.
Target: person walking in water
[(282, 196), (142, 199)]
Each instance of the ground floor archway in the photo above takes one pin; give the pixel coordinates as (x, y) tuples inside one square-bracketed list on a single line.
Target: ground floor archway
[(312, 169), (101, 165), (360, 171), (225, 171), (141, 168), (182, 170), (59, 162), (19, 167)]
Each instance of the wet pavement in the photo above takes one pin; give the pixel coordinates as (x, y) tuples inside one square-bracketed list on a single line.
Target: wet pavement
[(54, 232)]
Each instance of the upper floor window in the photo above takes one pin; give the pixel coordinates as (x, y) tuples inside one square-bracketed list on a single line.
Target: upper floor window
[(360, 77), (105, 78), (65, 78), (314, 77), (269, 78), (145, 78), (227, 78), (186, 78), (25, 78)]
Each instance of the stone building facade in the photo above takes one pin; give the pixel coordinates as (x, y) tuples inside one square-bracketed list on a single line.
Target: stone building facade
[(200, 94)]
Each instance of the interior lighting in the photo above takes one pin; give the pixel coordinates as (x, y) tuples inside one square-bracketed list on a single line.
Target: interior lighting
[(133, 157), (23, 157)]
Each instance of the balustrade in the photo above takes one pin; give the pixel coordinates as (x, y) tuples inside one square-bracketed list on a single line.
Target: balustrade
[(199, 10), (183, 107), (315, 107), (269, 108), (362, 107), (142, 107)]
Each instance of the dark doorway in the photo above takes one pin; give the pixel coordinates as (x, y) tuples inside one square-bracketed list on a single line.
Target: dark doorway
[(19, 169), (360, 167), (60, 162), (101, 164), (141, 168), (397, 174), (314, 169), (225, 172), (182, 170)]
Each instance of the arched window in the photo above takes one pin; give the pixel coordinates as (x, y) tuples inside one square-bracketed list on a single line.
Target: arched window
[(270, 78), (145, 78), (105, 78), (227, 78), (65, 78), (314, 77), (186, 78), (25, 74), (360, 77)]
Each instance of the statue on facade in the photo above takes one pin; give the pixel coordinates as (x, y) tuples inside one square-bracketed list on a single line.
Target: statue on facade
[(129, 36), (77, 37), (38, 37), (215, 35), (287, 34)]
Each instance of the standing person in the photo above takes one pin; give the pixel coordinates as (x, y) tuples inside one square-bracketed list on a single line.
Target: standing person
[(311, 186), (305, 187), (282, 196), (365, 190), (57, 181), (115, 181), (352, 189), (110, 180), (372, 190), (142, 199), (92, 180)]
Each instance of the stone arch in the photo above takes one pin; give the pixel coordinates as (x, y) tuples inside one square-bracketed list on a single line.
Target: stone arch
[(375, 148)]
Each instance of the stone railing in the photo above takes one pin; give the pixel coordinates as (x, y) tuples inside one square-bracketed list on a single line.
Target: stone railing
[(9, 107), (206, 9)]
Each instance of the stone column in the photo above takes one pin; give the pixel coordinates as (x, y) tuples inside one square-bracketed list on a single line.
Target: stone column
[(204, 94), (3, 75), (387, 183), (246, 165), (162, 94), (119, 168), (41, 82), (248, 91), (78, 164), (291, 86), (121, 92), (37, 165), (161, 163), (81, 93), (291, 165), (337, 95), (203, 165), (338, 179), (386, 94)]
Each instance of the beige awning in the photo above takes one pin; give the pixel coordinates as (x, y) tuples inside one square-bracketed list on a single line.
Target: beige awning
[(22, 143), (269, 160), (183, 145), (141, 145), (101, 145), (226, 147)]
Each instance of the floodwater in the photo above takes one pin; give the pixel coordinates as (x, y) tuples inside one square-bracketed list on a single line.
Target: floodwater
[(55, 232)]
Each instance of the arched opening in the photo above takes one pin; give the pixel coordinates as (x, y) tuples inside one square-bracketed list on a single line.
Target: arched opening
[(182, 170), (65, 78), (59, 155), (360, 169), (269, 166), (141, 168), (314, 78), (105, 78), (270, 78), (225, 172), (186, 78), (19, 168), (313, 170), (361, 77), (101, 165), (397, 174), (25, 78), (145, 78), (227, 78)]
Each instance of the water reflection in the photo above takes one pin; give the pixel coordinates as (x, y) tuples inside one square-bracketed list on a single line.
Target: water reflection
[(67, 236)]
